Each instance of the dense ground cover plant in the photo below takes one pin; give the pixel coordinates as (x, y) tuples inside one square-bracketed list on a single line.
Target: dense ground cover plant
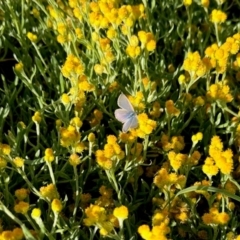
[(68, 171)]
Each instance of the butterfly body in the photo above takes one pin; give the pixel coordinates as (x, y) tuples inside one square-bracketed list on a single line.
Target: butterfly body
[(126, 113)]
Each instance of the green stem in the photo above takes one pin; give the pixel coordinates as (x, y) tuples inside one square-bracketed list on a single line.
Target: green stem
[(54, 222), (145, 147), (76, 192), (39, 54), (216, 32), (51, 172), (33, 189), (230, 111)]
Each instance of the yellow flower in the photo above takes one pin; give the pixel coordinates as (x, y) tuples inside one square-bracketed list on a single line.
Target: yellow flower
[(134, 41), (146, 125), (121, 212), (69, 136), (74, 159), (205, 3), (32, 37), (220, 92), (171, 109), (209, 168), (79, 33), (197, 137), (36, 213), (132, 51), (187, 3), (21, 207), (176, 160), (143, 37), (182, 79), (151, 45), (49, 156), (65, 99), (99, 69), (56, 205), (144, 231), (19, 162), (91, 137), (37, 117), (217, 16), (17, 234), (19, 67), (49, 191), (5, 149), (94, 214), (21, 193)]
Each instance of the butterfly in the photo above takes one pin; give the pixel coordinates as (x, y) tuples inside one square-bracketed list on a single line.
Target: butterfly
[(125, 113)]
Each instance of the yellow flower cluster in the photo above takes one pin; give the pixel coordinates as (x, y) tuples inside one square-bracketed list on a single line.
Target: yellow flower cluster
[(163, 179), (96, 118), (197, 137), (21, 207), (49, 191), (97, 216), (176, 160), (156, 110), (180, 210), (137, 101), (15, 234), (73, 67), (158, 232), (219, 159), (49, 156), (196, 66), (133, 50), (5, 149), (74, 159), (215, 217), (22, 194), (37, 117), (112, 152), (149, 85), (218, 16), (107, 14), (176, 143), (84, 84), (218, 55), (106, 51), (70, 136), (147, 41), (146, 125), (219, 92), (32, 37), (105, 200), (85, 198), (171, 109), (128, 137)]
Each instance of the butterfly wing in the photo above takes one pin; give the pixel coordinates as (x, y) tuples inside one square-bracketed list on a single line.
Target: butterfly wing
[(131, 122), (122, 115), (124, 103)]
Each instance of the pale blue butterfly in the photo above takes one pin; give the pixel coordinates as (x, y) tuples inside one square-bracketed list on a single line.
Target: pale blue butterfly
[(125, 113)]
